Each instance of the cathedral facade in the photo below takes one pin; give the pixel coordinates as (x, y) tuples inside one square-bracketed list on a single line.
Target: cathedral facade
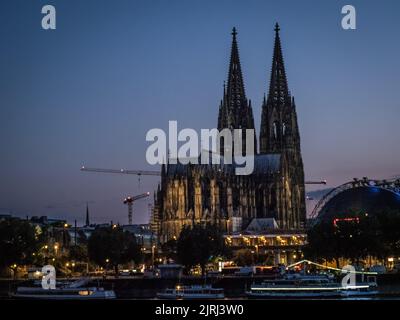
[(197, 193)]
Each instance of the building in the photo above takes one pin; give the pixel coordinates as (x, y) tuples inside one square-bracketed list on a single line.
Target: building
[(143, 234), (263, 237), (190, 194)]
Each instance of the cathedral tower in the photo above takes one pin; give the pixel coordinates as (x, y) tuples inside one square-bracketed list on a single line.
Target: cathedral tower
[(279, 131), (235, 111)]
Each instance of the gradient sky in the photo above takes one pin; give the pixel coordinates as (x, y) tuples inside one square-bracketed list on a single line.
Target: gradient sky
[(88, 92)]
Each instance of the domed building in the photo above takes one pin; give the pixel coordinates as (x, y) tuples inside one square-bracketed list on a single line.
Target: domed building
[(369, 197)]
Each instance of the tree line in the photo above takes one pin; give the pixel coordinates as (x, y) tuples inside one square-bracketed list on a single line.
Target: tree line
[(355, 236)]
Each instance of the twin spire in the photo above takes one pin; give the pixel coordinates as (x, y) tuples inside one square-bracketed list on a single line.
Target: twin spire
[(235, 92), (278, 88), (235, 111)]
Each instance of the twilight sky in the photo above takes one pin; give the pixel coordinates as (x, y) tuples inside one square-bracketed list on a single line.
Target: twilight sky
[(87, 92)]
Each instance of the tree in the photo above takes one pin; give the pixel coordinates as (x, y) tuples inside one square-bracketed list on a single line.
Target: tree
[(354, 237), (78, 253), (197, 244), (322, 243), (243, 257), (18, 243), (113, 246), (389, 236), (169, 248)]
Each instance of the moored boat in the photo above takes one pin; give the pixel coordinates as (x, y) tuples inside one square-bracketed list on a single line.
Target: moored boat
[(300, 287), (75, 291), (192, 292), (363, 289), (309, 287)]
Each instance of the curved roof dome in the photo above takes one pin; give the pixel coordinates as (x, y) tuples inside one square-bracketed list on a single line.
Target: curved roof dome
[(368, 199)]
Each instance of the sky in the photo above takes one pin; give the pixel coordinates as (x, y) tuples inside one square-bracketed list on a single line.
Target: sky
[(88, 92)]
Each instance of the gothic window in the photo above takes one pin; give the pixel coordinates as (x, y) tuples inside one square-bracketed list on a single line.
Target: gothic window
[(275, 130), (273, 202), (284, 129), (206, 194), (222, 198)]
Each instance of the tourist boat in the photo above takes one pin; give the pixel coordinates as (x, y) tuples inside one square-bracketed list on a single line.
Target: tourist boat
[(76, 290), (296, 287), (308, 287), (192, 292), (363, 289)]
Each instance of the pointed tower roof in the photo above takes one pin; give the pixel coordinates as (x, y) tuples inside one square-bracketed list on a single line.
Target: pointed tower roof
[(235, 88), (278, 87), (87, 223), (277, 107), (235, 111)]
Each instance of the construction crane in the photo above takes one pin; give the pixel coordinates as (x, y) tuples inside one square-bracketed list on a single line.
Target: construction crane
[(123, 171), (315, 182), (153, 173), (130, 200)]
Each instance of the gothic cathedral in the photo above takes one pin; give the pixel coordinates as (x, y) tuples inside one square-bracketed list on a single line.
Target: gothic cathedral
[(190, 194)]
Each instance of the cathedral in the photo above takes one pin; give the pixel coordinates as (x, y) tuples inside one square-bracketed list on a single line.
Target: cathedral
[(198, 193)]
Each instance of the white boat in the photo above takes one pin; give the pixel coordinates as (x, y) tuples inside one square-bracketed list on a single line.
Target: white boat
[(363, 289), (77, 290), (359, 291), (192, 292), (299, 287), (308, 287)]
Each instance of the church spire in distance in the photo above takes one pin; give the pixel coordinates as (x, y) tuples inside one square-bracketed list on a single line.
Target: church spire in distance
[(87, 216)]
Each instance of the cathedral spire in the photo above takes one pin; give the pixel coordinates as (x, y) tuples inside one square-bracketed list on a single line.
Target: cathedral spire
[(276, 129), (278, 87), (235, 111), (234, 100), (236, 95)]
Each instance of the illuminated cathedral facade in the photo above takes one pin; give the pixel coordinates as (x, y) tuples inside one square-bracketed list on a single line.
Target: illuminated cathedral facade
[(197, 193)]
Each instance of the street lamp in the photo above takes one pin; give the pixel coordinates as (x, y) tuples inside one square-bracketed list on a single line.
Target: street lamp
[(152, 255), (56, 249)]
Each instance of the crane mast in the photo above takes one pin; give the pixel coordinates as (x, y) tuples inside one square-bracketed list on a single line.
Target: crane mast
[(129, 202)]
